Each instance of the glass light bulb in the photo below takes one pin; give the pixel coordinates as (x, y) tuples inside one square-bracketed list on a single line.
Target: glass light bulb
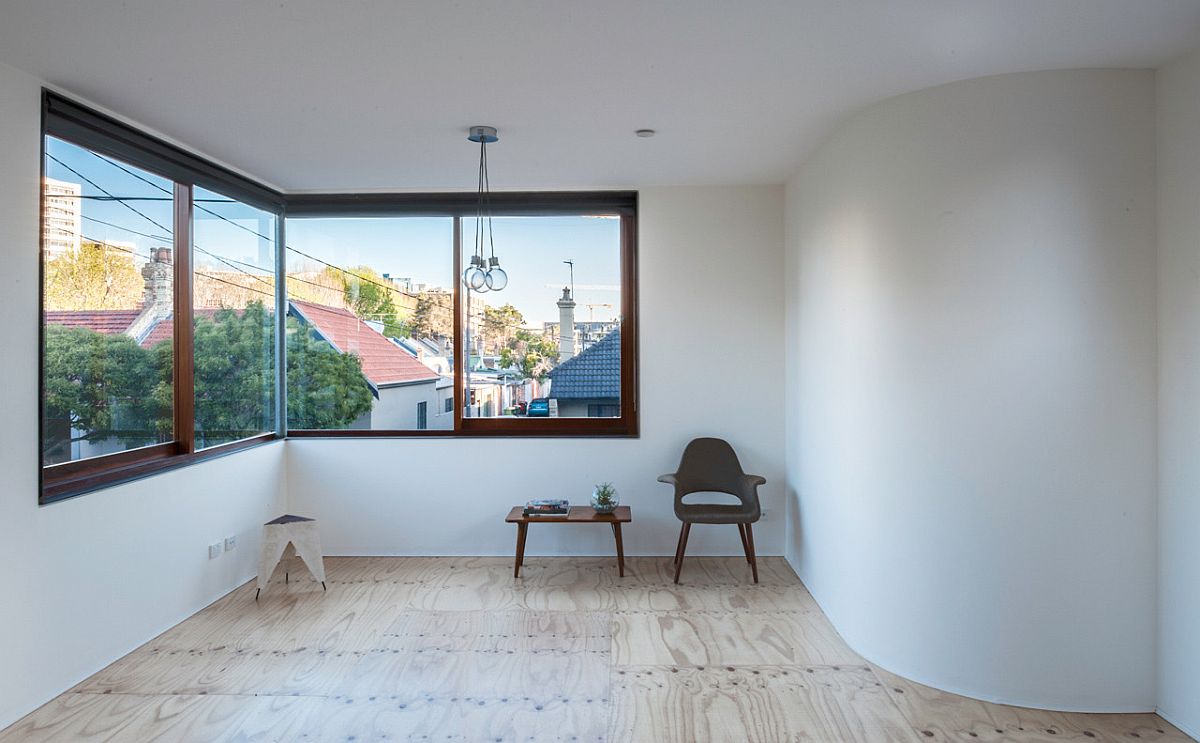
[(496, 279), (476, 278)]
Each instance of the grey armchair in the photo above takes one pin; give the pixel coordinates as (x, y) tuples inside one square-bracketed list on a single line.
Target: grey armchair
[(711, 466)]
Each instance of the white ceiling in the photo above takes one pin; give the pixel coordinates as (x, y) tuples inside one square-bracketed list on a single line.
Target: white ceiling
[(377, 94)]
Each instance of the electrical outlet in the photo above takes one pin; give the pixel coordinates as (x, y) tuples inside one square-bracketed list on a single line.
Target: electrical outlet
[(230, 543), (764, 513), (214, 551)]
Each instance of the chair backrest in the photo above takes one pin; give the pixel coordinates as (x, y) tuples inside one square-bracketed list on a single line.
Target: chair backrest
[(708, 465)]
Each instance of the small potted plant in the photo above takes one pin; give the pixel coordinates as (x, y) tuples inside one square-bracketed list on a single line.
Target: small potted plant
[(604, 498)]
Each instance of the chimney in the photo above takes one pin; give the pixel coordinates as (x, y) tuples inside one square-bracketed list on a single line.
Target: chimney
[(566, 326), (158, 274), (158, 301)]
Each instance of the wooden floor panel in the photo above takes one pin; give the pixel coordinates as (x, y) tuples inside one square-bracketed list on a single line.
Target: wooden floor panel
[(748, 705), (710, 638), (941, 716), (456, 649)]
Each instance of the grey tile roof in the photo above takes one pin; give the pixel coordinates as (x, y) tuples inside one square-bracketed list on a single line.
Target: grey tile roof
[(594, 373)]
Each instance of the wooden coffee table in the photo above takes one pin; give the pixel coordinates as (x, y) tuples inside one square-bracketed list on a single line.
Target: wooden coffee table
[(575, 515)]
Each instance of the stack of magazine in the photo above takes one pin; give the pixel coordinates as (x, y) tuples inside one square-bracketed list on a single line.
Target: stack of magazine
[(546, 507)]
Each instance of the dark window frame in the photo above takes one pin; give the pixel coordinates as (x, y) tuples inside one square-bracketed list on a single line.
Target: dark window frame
[(70, 122), (461, 206), (80, 125)]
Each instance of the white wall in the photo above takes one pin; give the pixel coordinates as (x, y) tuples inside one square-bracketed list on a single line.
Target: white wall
[(971, 450), (87, 580), (711, 363), (1179, 392)]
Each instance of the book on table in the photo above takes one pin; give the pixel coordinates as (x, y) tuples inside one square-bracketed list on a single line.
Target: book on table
[(546, 507)]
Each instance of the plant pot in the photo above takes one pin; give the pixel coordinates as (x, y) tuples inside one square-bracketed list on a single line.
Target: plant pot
[(607, 507)]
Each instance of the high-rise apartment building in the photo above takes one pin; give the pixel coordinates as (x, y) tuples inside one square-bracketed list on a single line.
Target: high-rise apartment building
[(61, 217)]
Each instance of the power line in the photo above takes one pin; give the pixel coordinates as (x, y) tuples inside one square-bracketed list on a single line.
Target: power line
[(197, 273), (160, 187), (256, 233), (152, 221)]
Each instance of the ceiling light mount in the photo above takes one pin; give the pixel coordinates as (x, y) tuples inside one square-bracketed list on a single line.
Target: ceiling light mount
[(483, 134), (645, 133)]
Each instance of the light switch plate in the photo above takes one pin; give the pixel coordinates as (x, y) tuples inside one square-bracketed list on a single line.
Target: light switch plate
[(230, 543), (214, 551)]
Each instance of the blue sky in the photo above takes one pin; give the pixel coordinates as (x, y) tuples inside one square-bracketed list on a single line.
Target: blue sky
[(531, 249)]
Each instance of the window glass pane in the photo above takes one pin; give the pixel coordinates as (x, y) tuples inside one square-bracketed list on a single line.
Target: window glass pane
[(108, 305), (370, 323), (233, 266), (548, 344)]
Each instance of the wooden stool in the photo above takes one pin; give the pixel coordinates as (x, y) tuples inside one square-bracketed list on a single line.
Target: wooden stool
[(287, 536)]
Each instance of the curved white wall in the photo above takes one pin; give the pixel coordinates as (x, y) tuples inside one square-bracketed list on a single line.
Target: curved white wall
[(971, 386)]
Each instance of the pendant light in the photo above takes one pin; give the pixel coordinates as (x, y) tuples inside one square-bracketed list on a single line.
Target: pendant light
[(484, 273)]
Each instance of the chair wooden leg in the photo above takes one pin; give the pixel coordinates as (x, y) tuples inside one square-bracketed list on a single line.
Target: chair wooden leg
[(683, 536), (745, 545), (678, 545), (750, 544)]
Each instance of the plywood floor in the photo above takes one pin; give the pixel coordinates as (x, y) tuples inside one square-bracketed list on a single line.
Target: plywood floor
[(455, 649)]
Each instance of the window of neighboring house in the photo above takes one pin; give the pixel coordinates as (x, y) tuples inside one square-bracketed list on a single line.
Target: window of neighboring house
[(370, 303), (449, 406)]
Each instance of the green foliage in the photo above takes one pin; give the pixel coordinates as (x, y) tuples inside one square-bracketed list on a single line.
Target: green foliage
[(367, 296), (95, 278), (234, 374), (422, 323), (605, 494), (326, 389), (107, 386), (532, 354), (101, 386), (500, 324)]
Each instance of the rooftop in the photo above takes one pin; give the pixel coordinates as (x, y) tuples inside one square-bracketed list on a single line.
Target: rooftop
[(593, 374), (383, 362)]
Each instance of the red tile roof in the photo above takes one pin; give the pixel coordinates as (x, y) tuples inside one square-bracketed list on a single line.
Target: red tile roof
[(164, 329), (109, 322), (383, 362)]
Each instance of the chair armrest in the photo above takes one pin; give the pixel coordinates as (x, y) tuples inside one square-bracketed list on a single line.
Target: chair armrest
[(754, 480), (668, 479)]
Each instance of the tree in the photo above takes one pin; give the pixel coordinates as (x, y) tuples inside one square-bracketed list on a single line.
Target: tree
[(532, 354), (234, 366), (99, 386), (499, 325), (96, 277), (326, 389), (421, 325), (368, 296)]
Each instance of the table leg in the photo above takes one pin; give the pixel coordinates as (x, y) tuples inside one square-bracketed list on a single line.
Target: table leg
[(521, 527), (616, 526)]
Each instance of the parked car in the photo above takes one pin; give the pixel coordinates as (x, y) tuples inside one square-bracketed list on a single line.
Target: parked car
[(539, 407)]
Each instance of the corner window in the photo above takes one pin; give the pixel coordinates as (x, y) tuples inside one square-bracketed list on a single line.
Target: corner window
[(183, 316)]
